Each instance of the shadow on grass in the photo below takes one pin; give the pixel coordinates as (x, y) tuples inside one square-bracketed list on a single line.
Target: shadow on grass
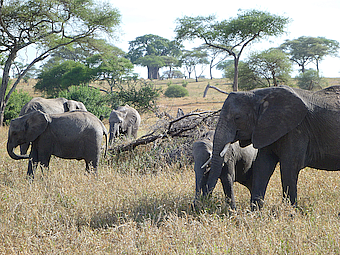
[(156, 211)]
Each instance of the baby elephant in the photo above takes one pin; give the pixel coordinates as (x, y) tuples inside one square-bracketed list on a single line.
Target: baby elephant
[(236, 167), (124, 120), (71, 135)]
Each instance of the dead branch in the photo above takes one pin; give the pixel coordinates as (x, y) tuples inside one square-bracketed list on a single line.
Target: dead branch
[(185, 124), (213, 87)]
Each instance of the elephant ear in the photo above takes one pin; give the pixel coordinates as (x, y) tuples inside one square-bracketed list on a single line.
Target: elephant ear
[(35, 124), (280, 111), (69, 105)]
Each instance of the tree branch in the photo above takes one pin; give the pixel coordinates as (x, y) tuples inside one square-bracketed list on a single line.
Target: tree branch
[(213, 87)]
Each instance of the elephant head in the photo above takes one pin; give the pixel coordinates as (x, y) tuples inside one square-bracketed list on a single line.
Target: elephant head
[(25, 129), (71, 105), (125, 120), (259, 117), (117, 124)]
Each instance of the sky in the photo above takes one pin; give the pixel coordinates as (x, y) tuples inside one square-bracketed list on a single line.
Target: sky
[(308, 18)]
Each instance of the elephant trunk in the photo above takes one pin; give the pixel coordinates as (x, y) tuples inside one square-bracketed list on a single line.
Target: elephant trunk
[(114, 132), (199, 176), (224, 135), (11, 153)]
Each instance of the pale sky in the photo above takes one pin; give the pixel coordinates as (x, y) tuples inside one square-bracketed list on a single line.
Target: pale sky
[(309, 18)]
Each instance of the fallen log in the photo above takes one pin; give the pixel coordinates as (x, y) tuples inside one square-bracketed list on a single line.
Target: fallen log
[(169, 131)]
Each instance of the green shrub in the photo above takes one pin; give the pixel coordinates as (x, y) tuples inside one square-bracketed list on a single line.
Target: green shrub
[(311, 80), (16, 101), (94, 101), (141, 96), (185, 83), (176, 91)]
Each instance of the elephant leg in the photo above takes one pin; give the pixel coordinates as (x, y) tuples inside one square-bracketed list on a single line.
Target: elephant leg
[(33, 162), (91, 166), (263, 168), (44, 163), (32, 166), (290, 169)]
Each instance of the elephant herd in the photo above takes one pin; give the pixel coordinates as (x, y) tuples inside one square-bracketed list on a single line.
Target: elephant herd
[(256, 130), (64, 128)]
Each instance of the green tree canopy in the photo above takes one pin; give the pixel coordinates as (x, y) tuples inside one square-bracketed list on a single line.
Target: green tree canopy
[(149, 50), (191, 59), (231, 35), (306, 49), (61, 76), (273, 65), (112, 67), (46, 26)]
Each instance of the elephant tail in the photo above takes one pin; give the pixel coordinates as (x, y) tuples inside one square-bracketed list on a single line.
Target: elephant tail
[(106, 141)]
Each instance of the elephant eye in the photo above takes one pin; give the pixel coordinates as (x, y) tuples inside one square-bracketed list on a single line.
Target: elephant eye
[(237, 117)]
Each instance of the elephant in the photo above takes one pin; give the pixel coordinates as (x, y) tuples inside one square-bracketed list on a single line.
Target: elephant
[(294, 127), (124, 120), (49, 106), (72, 135), (236, 167)]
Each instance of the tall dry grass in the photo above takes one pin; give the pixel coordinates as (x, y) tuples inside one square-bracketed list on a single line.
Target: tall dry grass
[(140, 204)]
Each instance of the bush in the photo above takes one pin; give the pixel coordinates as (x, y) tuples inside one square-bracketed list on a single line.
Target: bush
[(16, 101), (94, 101), (185, 83), (140, 96), (176, 91), (310, 80)]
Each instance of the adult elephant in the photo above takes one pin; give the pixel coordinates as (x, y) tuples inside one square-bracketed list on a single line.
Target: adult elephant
[(124, 120), (49, 106), (236, 167), (71, 135), (294, 127)]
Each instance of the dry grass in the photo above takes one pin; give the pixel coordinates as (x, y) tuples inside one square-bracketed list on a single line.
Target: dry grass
[(139, 205)]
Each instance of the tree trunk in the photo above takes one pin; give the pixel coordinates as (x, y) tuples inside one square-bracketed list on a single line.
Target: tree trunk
[(153, 73), (4, 85), (235, 84)]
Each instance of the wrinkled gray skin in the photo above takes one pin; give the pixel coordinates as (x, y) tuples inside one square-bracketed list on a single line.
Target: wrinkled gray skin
[(236, 167), (295, 127), (124, 120), (49, 106), (71, 135)]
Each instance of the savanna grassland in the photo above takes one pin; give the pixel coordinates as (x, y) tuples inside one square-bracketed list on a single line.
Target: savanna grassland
[(141, 204)]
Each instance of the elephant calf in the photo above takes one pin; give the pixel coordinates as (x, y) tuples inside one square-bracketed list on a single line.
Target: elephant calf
[(124, 120), (236, 167), (71, 135)]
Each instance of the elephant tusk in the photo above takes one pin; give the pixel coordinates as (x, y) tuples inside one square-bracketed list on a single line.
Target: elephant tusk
[(206, 163), (224, 151), (207, 171)]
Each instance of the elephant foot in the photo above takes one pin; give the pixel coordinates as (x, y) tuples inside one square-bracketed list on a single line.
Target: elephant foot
[(256, 204)]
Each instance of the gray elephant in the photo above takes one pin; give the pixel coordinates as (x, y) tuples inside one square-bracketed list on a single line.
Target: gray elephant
[(71, 135), (236, 167), (124, 120), (294, 127), (49, 106)]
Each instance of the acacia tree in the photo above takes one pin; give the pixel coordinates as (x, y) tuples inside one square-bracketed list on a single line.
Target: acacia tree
[(46, 26), (151, 50), (215, 56), (191, 59), (273, 65), (306, 49), (231, 35)]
